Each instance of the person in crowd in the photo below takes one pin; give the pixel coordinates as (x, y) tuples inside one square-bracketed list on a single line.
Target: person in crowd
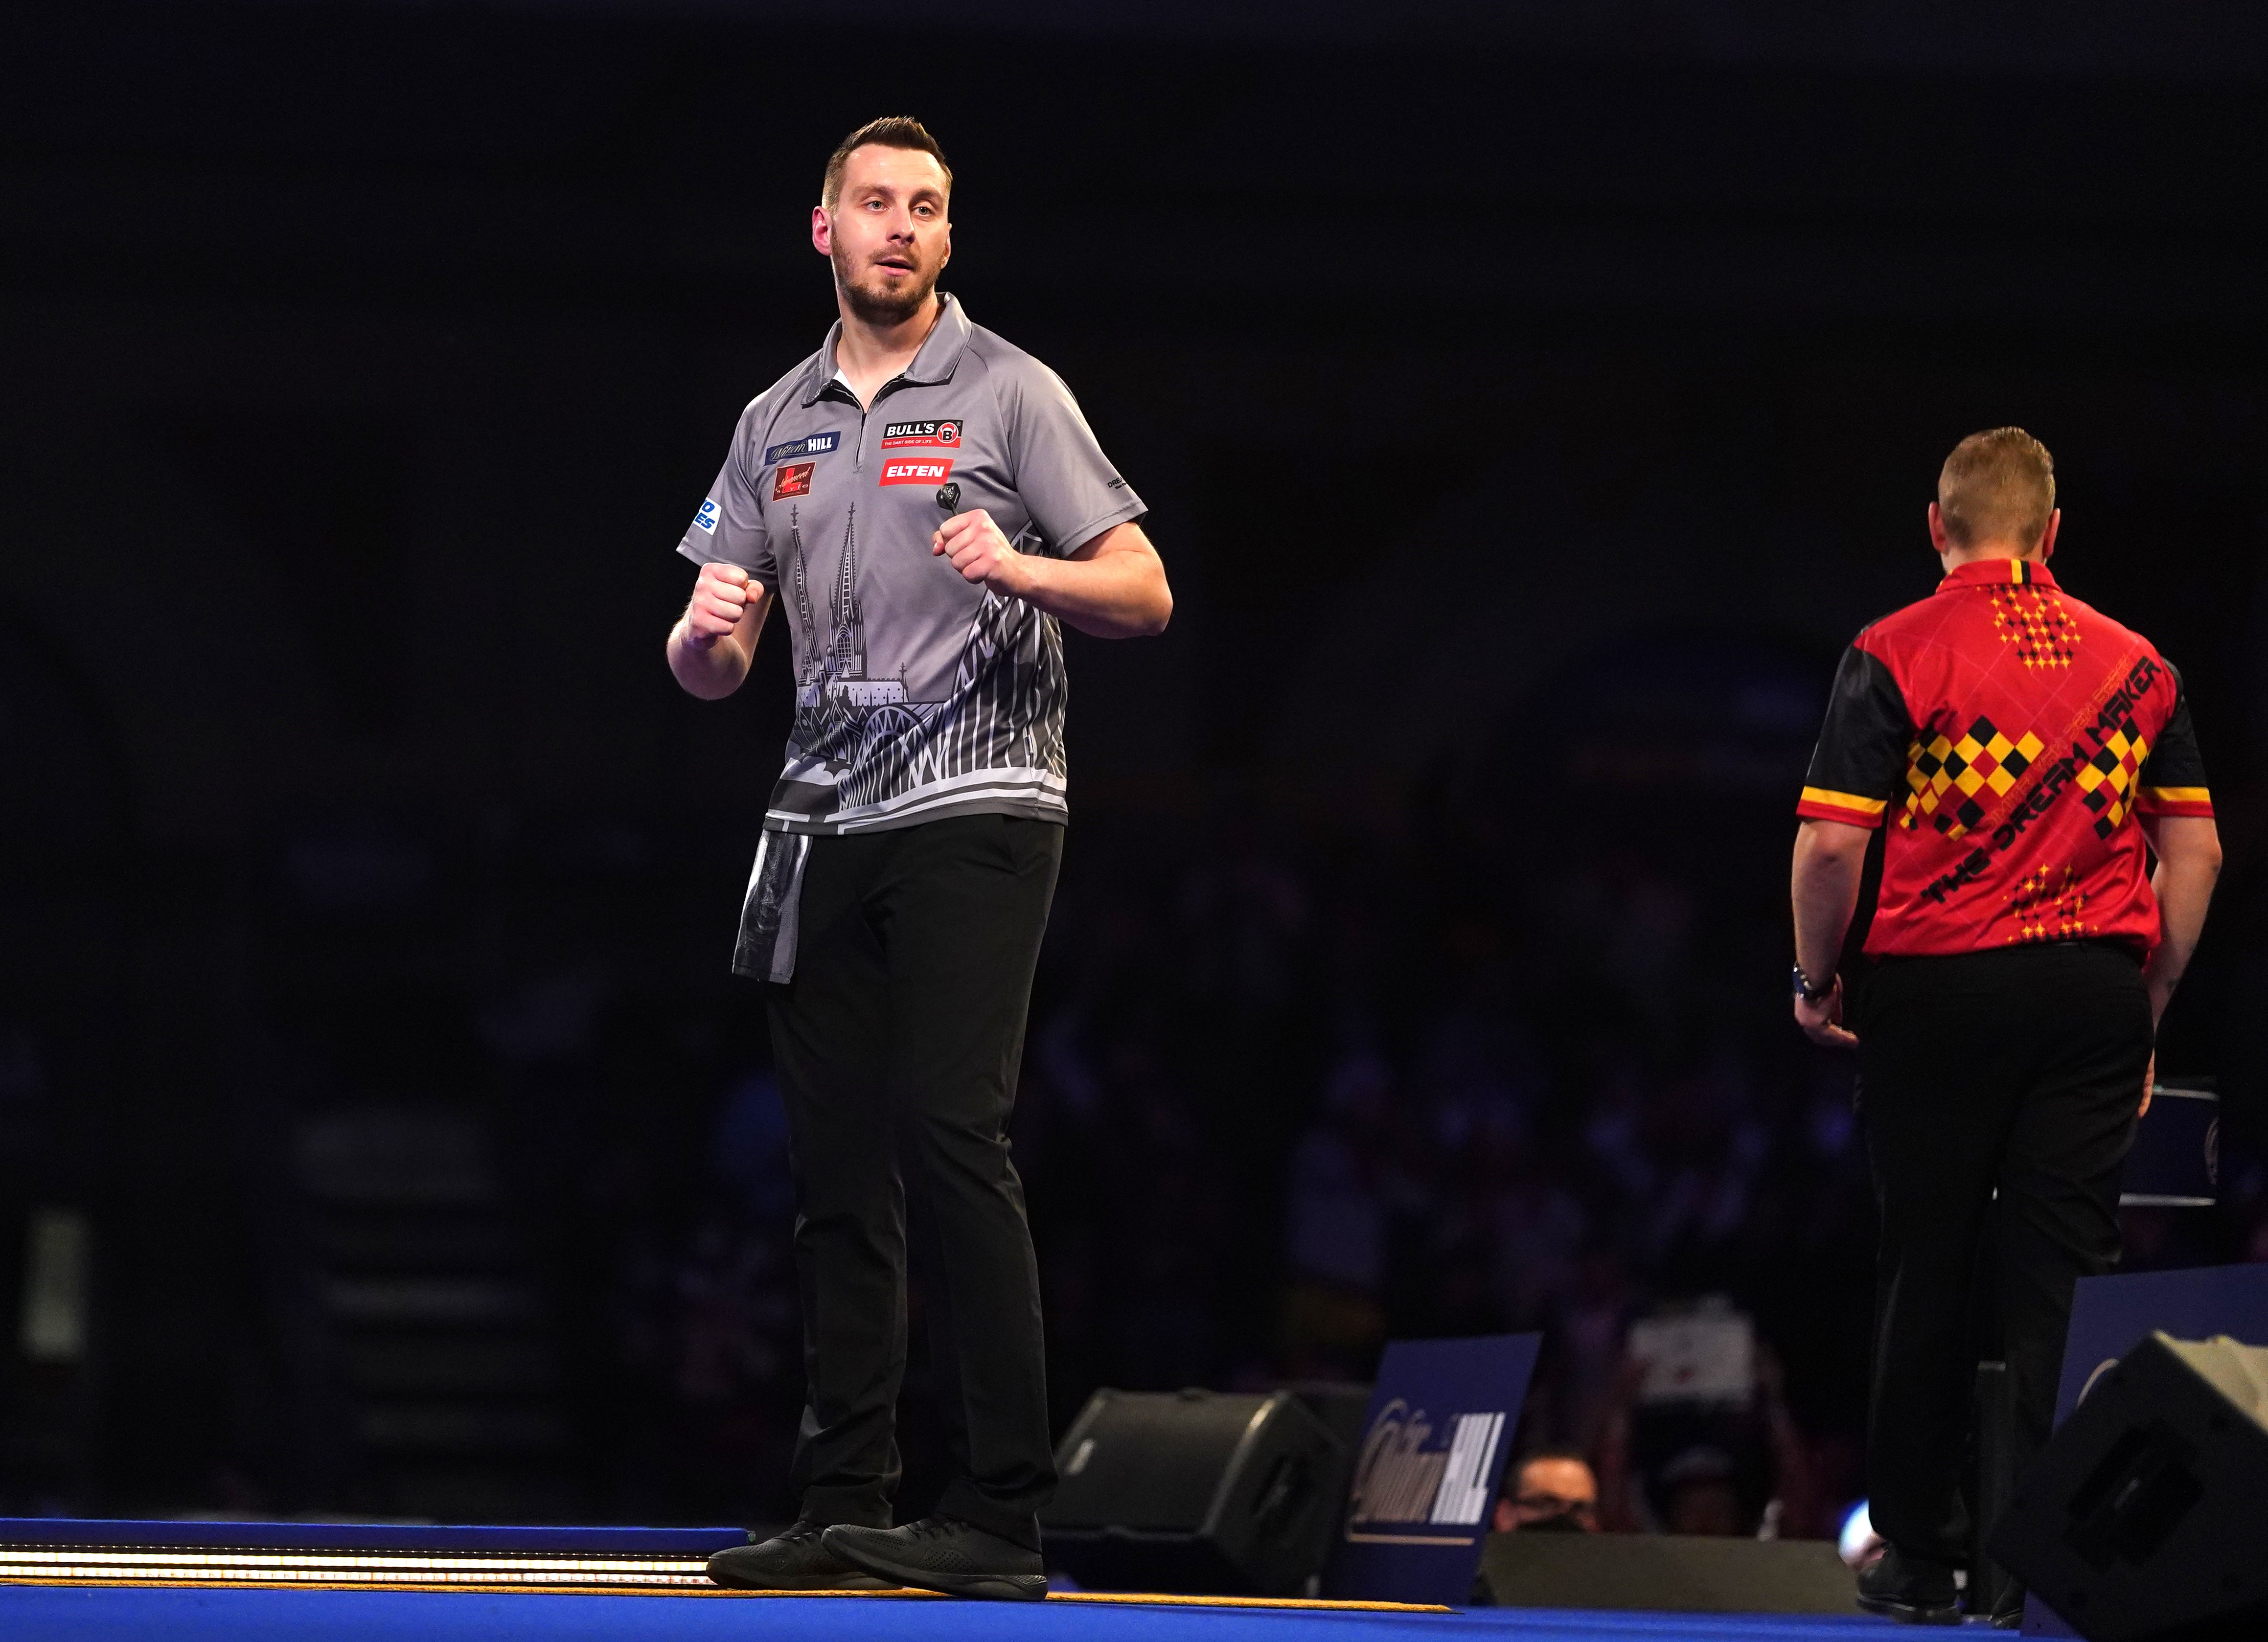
[(1740, 1471), (1700, 1493), (1554, 1491), (2028, 755)]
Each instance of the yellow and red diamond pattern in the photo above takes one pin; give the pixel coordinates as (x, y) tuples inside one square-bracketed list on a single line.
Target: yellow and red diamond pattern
[(1944, 777), (2033, 620), (2109, 782), (2049, 907)]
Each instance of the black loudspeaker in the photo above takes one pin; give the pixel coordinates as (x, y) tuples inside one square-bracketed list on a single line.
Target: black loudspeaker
[(2141, 1520), (1197, 1492)]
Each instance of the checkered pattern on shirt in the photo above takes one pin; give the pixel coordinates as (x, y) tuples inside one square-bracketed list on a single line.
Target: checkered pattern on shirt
[(1944, 778), (2033, 619), (2110, 781)]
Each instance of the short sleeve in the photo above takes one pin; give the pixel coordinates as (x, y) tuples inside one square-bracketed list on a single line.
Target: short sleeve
[(729, 529), (1066, 483), (2173, 775), (1860, 762)]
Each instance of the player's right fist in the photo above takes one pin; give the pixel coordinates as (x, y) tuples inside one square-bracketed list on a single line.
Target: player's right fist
[(720, 593)]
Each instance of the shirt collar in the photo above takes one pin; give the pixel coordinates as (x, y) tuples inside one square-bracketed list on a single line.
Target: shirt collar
[(1997, 573), (938, 357)]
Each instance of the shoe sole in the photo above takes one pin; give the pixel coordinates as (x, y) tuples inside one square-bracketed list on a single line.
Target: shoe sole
[(1912, 1613), (995, 1587), (846, 1581)]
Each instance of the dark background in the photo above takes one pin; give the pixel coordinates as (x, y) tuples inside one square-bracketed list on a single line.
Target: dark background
[(1530, 401)]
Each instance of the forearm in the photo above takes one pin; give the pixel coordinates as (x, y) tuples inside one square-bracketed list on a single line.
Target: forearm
[(711, 672), (1617, 1514), (1113, 595), (2184, 890), (1792, 1478), (1823, 884), (2188, 848)]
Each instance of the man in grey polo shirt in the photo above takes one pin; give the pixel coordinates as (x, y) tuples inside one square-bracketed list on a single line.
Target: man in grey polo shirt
[(927, 505)]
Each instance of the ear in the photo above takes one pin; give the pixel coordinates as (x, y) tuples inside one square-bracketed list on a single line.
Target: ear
[(2048, 536), (1938, 539), (823, 232)]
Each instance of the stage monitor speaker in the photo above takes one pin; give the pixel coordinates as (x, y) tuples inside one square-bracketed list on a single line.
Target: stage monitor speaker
[(1197, 1492), (2141, 1520)]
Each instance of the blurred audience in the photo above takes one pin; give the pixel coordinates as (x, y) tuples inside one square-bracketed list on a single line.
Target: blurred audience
[(1286, 1094)]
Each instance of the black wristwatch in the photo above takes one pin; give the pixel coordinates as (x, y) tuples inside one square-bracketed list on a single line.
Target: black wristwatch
[(1809, 993)]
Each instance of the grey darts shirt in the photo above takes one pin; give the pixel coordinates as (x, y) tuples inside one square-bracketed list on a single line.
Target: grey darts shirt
[(917, 694)]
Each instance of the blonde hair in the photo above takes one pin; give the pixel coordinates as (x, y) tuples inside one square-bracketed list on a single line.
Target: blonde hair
[(1997, 485)]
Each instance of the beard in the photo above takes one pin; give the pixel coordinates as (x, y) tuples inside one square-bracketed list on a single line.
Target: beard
[(878, 303)]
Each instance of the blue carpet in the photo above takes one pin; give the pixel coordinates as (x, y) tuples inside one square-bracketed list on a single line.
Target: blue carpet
[(37, 1613)]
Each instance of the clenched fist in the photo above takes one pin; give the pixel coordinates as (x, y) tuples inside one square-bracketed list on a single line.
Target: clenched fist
[(720, 595), (981, 554)]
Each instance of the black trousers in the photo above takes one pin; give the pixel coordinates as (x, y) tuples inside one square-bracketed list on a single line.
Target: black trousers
[(899, 1038), (2016, 1071)]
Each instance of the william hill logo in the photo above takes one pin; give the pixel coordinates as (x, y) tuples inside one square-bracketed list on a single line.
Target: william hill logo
[(1412, 1472)]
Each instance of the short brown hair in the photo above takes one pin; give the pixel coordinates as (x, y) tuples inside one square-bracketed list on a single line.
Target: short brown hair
[(1997, 485), (892, 131)]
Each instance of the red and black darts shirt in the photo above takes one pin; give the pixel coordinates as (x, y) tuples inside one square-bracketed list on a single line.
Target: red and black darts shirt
[(2010, 734)]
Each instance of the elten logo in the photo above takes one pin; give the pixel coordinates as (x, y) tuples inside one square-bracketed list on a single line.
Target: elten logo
[(899, 435), (794, 480), (917, 470)]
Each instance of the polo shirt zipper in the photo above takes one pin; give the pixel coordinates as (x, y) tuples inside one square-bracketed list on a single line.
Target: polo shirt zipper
[(859, 466)]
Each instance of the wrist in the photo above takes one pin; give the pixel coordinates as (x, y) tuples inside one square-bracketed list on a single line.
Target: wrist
[(1814, 989), (1019, 575)]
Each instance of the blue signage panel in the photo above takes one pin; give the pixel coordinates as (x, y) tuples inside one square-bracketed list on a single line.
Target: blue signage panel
[(2110, 1316), (1426, 1476), (2176, 1162)]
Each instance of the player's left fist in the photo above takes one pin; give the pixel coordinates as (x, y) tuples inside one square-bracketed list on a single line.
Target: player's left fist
[(976, 547)]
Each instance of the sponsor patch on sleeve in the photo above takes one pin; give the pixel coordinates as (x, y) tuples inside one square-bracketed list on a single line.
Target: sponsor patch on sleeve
[(917, 470), (706, 519), (810, 444), (795, 480), (898, 436)]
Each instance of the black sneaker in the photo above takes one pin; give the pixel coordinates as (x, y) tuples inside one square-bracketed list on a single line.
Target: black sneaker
[(2008, 1613), (943, 1554), (790, 1560), (1912, 1590)]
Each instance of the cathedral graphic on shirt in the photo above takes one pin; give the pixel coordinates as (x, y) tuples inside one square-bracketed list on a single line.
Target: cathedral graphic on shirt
[(877, 743), (835, 683)]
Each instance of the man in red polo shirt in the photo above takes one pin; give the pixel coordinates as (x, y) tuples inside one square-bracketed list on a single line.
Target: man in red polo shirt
[(2030, 755)]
